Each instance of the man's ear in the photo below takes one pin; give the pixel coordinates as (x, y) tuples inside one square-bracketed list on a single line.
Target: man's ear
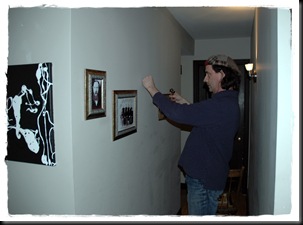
[(222, 74)]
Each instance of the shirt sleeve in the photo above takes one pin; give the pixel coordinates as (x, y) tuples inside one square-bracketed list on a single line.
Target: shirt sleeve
[(196, 114)]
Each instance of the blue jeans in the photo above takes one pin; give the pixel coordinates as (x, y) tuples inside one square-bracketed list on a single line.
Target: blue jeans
[(201, 201)]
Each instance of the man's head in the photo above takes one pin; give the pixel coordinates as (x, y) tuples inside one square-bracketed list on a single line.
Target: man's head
[(222, 73), (95, 87)]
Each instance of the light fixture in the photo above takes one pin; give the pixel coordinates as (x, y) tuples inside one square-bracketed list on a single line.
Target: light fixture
[(251, 73)]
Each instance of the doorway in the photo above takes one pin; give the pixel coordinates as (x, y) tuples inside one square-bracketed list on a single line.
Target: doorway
[(201, 92)]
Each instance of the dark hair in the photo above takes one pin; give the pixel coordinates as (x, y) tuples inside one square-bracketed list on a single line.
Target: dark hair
[(232, 78)]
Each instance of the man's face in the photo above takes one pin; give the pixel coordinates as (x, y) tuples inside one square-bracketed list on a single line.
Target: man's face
[(96, 87), (213, 79)]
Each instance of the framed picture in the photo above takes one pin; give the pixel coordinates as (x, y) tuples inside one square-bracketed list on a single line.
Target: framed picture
[(29, 108), (124, 113), (161, 116), (95, 91)]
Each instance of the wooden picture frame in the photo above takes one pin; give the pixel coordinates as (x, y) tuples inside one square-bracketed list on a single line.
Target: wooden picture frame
[(124, 113), (95, 94)]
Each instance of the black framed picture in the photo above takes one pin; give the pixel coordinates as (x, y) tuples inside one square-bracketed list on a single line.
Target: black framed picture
[(124, 113), (29, 108)]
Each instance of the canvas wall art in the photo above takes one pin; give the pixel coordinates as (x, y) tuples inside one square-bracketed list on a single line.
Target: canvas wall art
[(29, 109)]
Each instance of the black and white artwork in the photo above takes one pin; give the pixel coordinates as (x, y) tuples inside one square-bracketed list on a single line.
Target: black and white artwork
[(95, 85), (124, 113), (29, 108)]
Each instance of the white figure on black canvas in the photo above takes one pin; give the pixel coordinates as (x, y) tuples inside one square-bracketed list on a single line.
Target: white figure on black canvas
[(38, 133), (15, 103)]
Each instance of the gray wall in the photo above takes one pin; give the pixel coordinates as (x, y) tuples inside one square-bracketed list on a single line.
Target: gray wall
[(43, 35), (137, 174), (271, 114)]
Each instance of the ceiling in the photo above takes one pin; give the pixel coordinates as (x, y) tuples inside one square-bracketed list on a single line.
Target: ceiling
[(215, 22)]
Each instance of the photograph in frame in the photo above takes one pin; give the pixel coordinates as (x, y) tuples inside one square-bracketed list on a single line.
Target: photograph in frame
[(124, 113), (95, 94)]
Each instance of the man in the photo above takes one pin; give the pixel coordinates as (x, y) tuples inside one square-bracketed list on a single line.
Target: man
[(96, 99), (215, 121)]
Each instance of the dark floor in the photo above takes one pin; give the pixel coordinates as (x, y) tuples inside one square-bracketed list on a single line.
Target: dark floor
[(238, 208)]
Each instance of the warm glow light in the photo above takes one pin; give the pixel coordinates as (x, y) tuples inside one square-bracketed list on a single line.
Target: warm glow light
[(249, 66), (251, 72)]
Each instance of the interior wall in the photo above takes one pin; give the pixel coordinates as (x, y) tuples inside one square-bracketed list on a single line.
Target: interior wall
[(137, 174), (270, 143), (43, 35), (283, 204)]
